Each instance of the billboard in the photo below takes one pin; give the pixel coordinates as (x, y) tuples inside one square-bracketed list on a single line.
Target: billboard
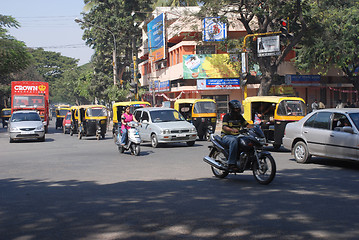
[(302, 80), (197, 66), (213, 30), (156, 38), (268, 46)]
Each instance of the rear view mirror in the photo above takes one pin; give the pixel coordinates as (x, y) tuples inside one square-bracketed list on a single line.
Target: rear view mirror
[(348, 129)]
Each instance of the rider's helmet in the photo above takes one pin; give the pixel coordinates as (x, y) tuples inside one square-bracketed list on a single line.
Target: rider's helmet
[(235, 107)]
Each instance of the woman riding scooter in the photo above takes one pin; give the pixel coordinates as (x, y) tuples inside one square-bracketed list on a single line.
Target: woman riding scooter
[(125, 119)]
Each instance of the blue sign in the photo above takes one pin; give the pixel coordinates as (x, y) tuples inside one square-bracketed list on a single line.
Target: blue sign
[(213, 30), (156, 37)]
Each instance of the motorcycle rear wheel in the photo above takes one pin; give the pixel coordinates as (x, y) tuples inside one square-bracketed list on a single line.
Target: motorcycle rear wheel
[(219, 157), (265, 173)]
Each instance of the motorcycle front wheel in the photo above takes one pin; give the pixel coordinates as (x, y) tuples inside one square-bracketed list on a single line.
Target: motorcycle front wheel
[(220, 158), (265, 172), (135, 149)]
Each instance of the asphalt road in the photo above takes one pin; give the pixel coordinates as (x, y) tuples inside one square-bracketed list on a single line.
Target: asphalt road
[(66, 188)]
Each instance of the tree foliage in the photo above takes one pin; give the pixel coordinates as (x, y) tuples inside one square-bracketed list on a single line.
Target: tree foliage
[(335, 41), (106, 20)]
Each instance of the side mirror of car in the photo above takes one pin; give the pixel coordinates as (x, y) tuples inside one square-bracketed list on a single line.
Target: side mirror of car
[(348, 129)]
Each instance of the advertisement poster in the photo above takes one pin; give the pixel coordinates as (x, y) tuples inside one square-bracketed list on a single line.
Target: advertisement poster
[(213, 30), (268, 46), (156, 38), (197, 66), (210, 84)]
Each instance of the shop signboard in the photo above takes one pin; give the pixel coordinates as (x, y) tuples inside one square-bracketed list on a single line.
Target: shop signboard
[(268, 46), (204, 66), (302, 80), (211, 84)]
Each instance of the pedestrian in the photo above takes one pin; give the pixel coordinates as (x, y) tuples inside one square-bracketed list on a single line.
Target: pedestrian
[(315, 105), (340, 104), (321, 105)]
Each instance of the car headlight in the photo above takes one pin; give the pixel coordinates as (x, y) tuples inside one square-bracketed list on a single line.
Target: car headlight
[(192, 130), (166, 131), (13, 129), (40, 128)]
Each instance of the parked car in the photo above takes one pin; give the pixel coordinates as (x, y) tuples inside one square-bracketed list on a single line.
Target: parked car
[(164, 125), (332, 133), (26, 125), (66, 123)]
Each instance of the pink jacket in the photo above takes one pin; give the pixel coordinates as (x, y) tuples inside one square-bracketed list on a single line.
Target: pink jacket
[(128, 118)]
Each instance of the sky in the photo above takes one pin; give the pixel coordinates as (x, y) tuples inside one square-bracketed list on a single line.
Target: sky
[(49, 24)]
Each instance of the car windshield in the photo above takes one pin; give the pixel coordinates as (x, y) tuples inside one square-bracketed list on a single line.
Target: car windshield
[(291, 108), (96, 112), (204, 107), (355, 118), (166, 116), (20, 117)]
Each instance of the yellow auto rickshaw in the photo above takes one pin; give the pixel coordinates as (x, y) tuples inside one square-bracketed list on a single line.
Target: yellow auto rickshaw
[(118, 109), (74, 119), (201, 113), (5, 116), (92, 121), (273, 113), (60, 114)]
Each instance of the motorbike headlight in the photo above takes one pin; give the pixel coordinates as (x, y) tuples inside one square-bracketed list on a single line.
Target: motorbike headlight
[(166, 131)]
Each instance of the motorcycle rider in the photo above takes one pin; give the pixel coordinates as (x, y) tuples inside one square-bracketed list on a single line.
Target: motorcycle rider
[(232, 123)]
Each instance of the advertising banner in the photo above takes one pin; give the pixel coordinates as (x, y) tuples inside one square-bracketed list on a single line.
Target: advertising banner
[(156, 38), (158, 86), (268, 46), (210, 84), (213, 30), (198, 66)]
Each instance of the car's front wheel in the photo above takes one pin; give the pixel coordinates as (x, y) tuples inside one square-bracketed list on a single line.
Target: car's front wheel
[(154, 140), (301, 152)]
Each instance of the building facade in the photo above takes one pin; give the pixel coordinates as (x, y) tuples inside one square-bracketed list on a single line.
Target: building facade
[(178, 62)]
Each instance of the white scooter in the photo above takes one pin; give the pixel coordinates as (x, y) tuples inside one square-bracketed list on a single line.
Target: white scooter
[(133, 140)]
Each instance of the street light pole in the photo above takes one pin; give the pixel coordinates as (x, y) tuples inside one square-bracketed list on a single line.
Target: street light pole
[(114, 64)]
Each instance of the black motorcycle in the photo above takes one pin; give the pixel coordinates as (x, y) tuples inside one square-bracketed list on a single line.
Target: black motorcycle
[(250, 157)]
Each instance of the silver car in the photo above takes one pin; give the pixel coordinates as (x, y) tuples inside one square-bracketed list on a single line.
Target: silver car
[(164, 125), (332, 133), (26, 125)]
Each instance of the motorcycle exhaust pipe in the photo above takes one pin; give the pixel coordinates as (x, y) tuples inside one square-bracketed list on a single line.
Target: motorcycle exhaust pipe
[(212, 162)]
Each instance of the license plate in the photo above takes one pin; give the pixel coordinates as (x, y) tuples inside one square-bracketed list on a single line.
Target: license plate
[(28, 132), (180, 135)]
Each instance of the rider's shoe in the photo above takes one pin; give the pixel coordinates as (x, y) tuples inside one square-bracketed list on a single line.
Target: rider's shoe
[(232, 167)]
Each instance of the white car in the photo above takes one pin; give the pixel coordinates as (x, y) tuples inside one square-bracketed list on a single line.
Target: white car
[(164, 125), (26, 125), (331, 133)]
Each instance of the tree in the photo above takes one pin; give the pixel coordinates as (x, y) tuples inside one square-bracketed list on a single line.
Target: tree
[(14, 56), (175, 3), (264, 17), (335, 42), (109, 17)]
